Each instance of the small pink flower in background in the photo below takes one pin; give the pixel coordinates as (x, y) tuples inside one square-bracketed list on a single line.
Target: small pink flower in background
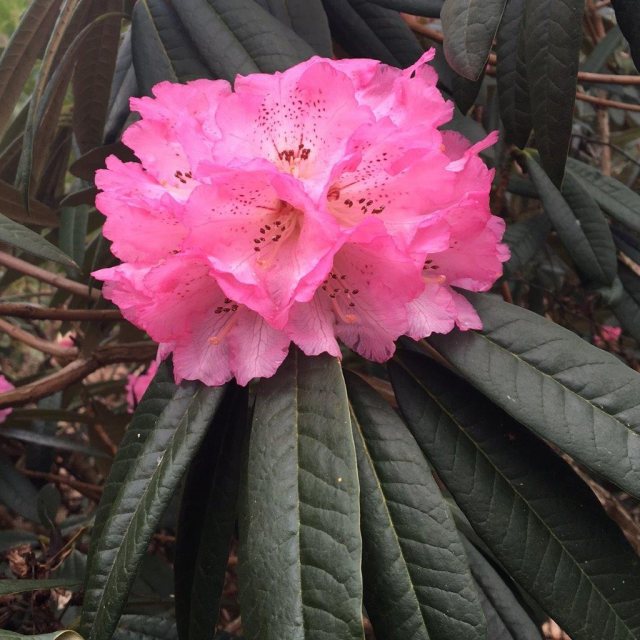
[(607, 336), (5, 385), (137, 384), (310, 206)]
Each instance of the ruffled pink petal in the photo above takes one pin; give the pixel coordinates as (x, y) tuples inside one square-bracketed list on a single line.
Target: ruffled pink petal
[(466, 316), (433, 311), (300, 120), (137, 384), (137, 209), (263, 237)]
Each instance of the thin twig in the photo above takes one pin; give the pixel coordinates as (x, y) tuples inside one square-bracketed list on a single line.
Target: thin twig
[(17, 310), (604, 102), (78, 370), (43, 275), (92, 491), (34, 342)]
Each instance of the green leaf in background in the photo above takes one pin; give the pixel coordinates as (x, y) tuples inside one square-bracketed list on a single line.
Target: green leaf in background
[(239, 37), (10, 587), (161, 48), (506, 619), (596, 61), (525, 240), (553, 37), (426, 8), (139, 494), (140, 627), (416, 577), (581, 398), (17, 492), (19, 236), (300, 545), (511, 74), (469, 27), (207, 519), (22, 52), (582, 227), (620, 202), (367, 30), (307, 18), (627, 306), (542, 523), (628, 15)]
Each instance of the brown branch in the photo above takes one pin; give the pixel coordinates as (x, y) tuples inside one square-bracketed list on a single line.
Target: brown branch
[(583, 76), (34, 342), (92, 491), (53, 279), (604, 102), (21, 310), (78, 370)]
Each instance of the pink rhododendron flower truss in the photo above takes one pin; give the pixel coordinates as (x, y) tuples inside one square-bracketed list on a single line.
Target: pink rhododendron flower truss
[(318, 205), (5, 385)]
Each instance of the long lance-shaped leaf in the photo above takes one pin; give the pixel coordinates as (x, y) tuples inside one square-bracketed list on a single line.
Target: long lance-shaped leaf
[(511, 74), (626, 305), (307, 18), (300, 545), (240, 37), (541, 522), (426, 8), (161, 48), (21, 53), (12, 206), (580, 224), (207, 520), (500, 600), (525, 240), (140, 502), (367, 30), (19, 236), (416, 577), (92, 77), (552, 46), (571, 393), (620, 202), (141, 627), (10, 587), (469, 27)]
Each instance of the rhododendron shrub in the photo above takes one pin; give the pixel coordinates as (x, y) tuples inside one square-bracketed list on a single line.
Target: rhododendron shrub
[(311, 206), (387, 269)]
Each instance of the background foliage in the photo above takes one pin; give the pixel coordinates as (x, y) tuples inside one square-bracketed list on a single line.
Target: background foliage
[(477, 487)]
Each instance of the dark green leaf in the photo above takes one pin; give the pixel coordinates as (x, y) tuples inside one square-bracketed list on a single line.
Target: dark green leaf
[(19, 236), (580, 225), (426, 8), (48, 503), (627, 305), (597, 59), (8, 587), (628, 15), (92, 77), (300, 545), (12, 206), (620, 202), (239, 37), (161, 48), (137, 627), (367, 30), (553, 37), (73, 231), (62, 443), (469, 27), (307, 18), (142, 480), (207, 520), (525, 241), (571, 393), (13, 538), (543, 524), (86, 165), (511, 74), (16, 492), (20, 55), (416, 578), (509, 620)]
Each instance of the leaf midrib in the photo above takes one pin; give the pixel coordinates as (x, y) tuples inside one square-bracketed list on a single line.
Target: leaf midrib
[(552, 534)]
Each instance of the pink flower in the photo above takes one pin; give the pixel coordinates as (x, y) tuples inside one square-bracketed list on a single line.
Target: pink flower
[(137, 384), (315, 205), (608, 335), (5, 385)]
